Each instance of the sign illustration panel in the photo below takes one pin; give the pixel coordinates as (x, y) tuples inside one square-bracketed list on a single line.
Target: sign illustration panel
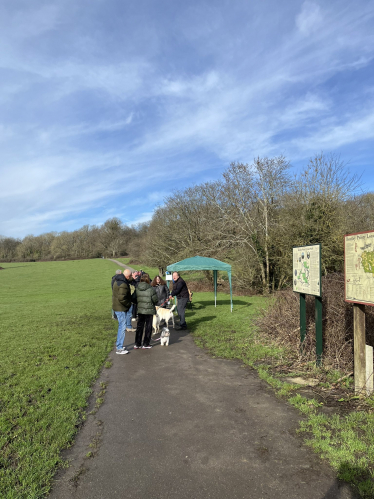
[(359, 267), (307, 269)]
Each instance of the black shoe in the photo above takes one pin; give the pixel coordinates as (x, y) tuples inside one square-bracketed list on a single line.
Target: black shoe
[(178, 328)]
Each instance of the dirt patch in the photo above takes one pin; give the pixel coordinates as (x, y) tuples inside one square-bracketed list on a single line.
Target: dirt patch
[(334, 400)]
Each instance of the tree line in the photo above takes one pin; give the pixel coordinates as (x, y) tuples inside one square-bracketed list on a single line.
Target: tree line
[(251, 218), (109, 240)]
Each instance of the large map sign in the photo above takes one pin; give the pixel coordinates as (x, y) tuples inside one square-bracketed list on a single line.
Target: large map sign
[(359, 267), (307, 269)]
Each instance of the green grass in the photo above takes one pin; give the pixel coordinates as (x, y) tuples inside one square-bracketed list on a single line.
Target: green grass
[(56, 332), (190, 275), (152, 271), (347, 442), (226, 334)]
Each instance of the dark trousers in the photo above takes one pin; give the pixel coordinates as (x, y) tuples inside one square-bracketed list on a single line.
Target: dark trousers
[(134, 310), (181, 308), (144, 322)]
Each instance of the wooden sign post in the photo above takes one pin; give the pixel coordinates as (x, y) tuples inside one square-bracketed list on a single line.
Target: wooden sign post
[(307, 281), (359, 348)]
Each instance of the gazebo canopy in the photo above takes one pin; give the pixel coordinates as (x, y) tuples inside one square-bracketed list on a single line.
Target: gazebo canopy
[(204, 263)]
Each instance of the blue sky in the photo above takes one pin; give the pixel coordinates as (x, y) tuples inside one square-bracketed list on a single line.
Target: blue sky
[(107, 106)]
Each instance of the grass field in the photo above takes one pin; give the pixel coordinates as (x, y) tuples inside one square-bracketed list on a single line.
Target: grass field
[(56, 331)]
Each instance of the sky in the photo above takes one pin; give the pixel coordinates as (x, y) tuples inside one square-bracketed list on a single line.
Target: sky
[(108, 106)]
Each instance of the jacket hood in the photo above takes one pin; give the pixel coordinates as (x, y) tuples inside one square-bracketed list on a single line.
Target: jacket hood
[(142, 286), (120, 278)]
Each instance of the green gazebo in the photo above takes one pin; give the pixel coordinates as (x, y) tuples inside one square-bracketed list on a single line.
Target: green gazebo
[(204, 263)]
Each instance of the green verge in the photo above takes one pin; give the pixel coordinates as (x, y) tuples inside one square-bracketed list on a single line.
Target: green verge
[(56, 332), (346, 442)]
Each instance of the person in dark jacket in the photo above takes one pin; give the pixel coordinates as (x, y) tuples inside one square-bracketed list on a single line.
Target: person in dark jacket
[(135, 281), (180, 290), (162, 291), (146, 298), (118, 271), (121, 304)]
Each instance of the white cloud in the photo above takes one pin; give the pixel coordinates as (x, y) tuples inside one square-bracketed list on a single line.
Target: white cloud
[(310, 18)]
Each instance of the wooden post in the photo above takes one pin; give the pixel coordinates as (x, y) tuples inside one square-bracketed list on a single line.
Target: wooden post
[(369, 370), (319, 329), (359, 348), (302, 321)]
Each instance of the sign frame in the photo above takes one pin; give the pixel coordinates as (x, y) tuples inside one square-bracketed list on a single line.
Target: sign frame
[(370, 304), (305, 247)]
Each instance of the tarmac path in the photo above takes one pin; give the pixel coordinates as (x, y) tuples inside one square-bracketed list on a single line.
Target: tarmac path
[(122, 264), (178, 424)]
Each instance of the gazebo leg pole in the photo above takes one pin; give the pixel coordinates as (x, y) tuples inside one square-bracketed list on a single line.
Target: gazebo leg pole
[(215, 287)]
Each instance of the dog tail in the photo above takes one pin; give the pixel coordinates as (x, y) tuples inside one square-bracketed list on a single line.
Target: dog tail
[(172, 308)]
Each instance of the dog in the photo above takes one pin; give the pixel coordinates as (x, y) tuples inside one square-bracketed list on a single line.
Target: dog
[(156, 324), (166, 314), (165, 335)]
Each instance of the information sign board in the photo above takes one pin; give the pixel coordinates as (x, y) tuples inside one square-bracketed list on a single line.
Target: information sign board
[(359, 267), (306, 274)]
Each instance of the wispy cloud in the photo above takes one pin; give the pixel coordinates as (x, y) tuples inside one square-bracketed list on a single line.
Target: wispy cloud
[(310, 18)]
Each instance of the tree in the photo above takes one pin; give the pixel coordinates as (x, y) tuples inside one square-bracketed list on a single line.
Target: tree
[(249, 200), (112, 237), (8, 248), (315, 208)]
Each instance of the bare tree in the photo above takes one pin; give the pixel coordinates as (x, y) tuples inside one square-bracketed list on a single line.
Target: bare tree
[(248, 201), (315, 208), (8, 248)]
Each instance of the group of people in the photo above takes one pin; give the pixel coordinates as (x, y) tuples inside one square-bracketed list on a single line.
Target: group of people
[(135, 296)]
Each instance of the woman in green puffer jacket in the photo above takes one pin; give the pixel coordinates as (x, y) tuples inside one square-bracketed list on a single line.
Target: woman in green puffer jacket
[(146, 298)]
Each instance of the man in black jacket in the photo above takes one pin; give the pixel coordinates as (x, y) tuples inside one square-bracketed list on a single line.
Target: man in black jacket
[(121, 304), (180, 290), (118, 271)]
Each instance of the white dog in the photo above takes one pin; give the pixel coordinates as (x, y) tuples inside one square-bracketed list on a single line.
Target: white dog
[(165, 314), (165, 335), (156, 324)]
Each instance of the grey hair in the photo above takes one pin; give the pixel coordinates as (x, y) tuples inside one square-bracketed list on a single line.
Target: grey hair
[(118, 271)]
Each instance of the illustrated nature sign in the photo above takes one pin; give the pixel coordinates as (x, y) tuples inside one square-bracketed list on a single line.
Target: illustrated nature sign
[(359, 267), (307, 269)]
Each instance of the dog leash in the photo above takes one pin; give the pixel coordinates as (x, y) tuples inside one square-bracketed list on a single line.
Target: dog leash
[(162, 304)]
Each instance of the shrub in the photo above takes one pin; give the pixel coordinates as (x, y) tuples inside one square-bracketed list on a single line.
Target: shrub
[(281, 323)]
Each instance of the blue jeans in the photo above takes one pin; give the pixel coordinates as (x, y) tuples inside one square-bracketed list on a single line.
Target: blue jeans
[(121, 316), (128, 318)]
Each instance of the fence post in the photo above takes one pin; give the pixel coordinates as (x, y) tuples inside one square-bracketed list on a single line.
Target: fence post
[(359, 348)]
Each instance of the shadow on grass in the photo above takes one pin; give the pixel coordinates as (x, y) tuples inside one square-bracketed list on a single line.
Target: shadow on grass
[(357, 475), (192, 323), (19, 267), (220, 302), (336, 491)]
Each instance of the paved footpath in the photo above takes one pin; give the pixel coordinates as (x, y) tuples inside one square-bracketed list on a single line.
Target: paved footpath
[(178, 424), (121, 264)]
